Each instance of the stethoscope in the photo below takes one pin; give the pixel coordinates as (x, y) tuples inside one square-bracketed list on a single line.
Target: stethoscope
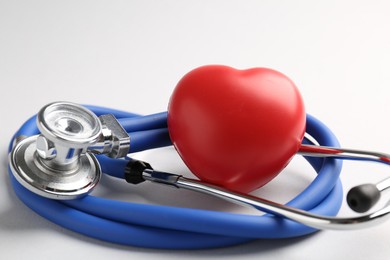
[(58, 156)]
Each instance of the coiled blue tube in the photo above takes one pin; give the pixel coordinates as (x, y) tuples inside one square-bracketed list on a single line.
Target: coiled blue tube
[(181, 228)]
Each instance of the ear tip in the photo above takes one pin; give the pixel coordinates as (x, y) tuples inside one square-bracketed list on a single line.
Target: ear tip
[(363, 197)]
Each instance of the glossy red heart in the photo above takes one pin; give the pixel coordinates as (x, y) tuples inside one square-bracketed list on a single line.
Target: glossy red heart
[(236, 128)]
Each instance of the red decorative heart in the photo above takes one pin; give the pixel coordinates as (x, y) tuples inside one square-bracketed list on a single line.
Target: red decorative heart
[(236, 128)]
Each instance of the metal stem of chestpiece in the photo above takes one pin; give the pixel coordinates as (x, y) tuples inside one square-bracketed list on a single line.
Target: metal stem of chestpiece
[(59, 163)]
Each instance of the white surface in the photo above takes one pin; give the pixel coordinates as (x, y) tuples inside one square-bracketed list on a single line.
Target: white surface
[(130, 54)]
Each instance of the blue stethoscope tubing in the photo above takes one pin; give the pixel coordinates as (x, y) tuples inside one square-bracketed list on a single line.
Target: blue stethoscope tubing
[(168, 227)]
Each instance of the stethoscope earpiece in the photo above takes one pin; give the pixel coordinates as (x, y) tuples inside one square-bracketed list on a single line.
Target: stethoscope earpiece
[(363, 197)]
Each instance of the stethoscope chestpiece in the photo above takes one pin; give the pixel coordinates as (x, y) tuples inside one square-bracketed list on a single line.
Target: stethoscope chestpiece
[(56, 164)]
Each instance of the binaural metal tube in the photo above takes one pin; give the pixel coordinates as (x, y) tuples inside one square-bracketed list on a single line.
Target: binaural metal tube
[(301, 216), (341, 153)]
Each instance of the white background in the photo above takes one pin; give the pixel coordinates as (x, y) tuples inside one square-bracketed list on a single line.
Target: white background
[(130, 54)]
